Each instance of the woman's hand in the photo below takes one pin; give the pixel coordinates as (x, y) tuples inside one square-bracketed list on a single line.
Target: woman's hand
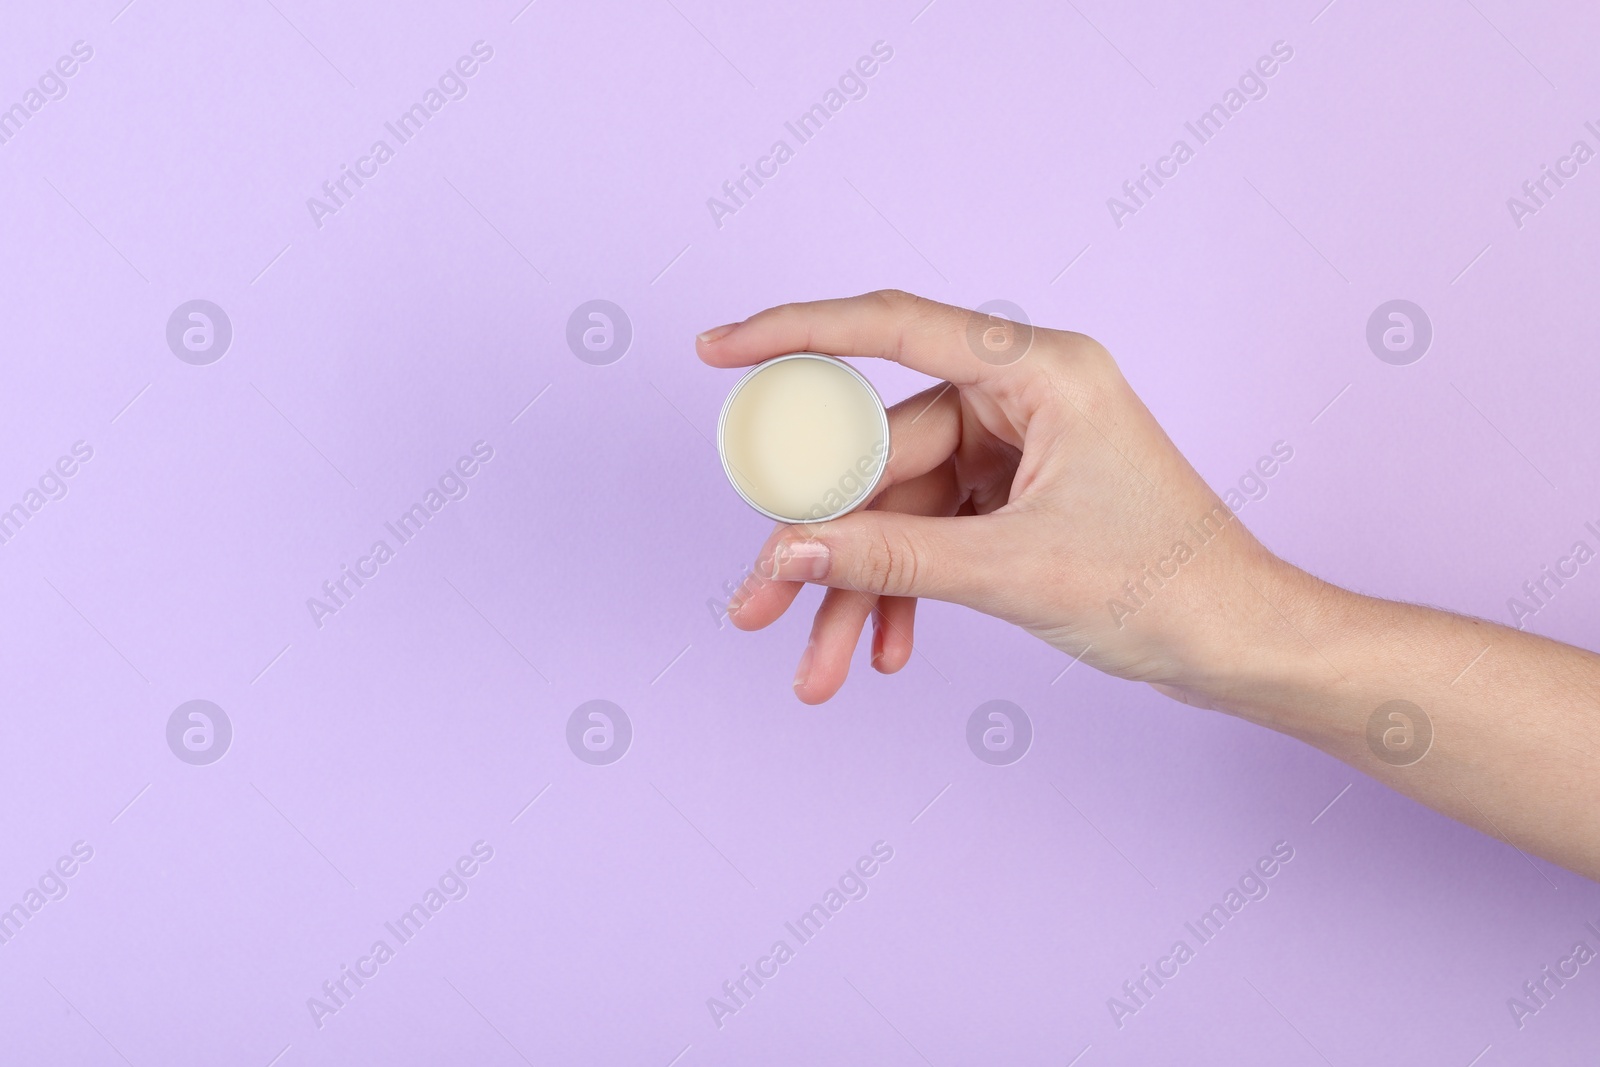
[(1033, 485), (1030, 484)]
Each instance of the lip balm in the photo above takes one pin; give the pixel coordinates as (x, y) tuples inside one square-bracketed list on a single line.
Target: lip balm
[(803, 438)]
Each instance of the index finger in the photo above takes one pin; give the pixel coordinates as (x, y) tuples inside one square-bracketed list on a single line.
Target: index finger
[(924, 335)]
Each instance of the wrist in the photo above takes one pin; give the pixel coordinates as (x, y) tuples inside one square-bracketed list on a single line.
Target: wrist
[(1268, 649)]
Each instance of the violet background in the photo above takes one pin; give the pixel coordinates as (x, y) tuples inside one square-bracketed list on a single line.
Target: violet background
[(369, 354)]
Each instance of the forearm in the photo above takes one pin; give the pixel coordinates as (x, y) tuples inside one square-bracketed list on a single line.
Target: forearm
[(1514, 718)]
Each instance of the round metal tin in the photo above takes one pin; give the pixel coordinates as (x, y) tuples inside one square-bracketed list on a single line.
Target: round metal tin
[(883, 426)]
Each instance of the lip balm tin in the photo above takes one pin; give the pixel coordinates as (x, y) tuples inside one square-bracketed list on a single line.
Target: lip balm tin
[(803, 438)]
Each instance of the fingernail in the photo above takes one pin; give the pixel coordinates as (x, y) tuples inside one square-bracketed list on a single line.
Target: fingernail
[(718, 333), (800, 561), (803, 671)]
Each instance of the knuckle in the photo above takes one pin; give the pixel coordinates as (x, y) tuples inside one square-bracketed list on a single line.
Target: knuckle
[(1063, 347), (895, 300), (1085, 369), (900, 308), (889, 564), (783, 313), (1086, 353)]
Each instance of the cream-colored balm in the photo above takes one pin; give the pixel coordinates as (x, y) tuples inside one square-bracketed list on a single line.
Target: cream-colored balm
[(804, 438)]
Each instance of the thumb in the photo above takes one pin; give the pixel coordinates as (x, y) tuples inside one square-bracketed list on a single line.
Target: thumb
[(892, 554)]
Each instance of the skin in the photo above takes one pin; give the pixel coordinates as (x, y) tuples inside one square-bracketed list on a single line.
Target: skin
[(1030, 483)]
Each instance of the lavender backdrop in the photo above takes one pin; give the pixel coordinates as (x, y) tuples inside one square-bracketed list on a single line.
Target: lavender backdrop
[(369, 746)]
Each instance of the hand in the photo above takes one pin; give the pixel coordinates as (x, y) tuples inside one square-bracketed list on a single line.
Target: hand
[(1040, 491)]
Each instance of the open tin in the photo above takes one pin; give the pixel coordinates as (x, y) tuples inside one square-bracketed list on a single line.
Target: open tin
[(804, 438)]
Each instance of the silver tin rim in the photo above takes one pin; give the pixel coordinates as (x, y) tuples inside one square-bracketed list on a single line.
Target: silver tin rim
[(883, 425)]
